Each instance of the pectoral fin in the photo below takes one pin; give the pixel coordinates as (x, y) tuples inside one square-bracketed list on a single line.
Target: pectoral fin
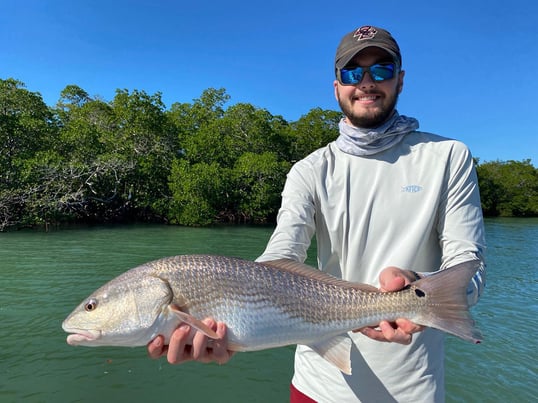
[(337, 351), (192, 321)]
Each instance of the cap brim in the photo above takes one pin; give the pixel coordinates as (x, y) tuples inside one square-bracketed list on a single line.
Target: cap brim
[(347, 57)]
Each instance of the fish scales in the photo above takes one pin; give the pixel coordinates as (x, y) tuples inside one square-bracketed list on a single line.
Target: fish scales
[(220, 287), (293, 294)]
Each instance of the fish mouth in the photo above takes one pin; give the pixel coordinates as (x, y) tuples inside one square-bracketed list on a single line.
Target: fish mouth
[(79, 337)]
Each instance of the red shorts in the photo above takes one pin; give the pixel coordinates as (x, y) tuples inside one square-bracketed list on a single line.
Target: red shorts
[(299, 397)]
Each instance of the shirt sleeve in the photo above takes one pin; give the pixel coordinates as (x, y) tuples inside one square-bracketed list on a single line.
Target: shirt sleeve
[(295, 223), (477, 285), (460, 224)]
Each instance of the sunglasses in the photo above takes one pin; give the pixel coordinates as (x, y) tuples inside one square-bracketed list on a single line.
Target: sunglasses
[(378, 72)]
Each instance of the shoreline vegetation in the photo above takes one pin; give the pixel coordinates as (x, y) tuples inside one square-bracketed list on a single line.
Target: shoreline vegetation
[(90, 161)]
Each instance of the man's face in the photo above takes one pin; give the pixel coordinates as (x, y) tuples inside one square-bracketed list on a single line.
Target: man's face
[(369, 103)]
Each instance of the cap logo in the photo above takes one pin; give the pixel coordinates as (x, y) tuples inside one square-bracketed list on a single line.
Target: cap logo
[(365, 32)]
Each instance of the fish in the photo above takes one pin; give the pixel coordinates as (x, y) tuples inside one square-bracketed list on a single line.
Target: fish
[(264, 305)]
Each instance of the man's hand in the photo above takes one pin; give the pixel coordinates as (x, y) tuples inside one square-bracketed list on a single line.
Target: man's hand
[(188, 344), (401, 330)]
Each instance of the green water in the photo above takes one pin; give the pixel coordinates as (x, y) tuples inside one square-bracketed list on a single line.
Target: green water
[(44, 275)]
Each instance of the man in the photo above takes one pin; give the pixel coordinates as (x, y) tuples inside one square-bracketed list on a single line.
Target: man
[(383, 195)]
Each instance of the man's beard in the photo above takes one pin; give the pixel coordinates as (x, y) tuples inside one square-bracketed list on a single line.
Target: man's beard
[(371, 120)]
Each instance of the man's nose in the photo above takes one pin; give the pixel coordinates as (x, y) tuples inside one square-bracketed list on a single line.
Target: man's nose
[(367, 81)]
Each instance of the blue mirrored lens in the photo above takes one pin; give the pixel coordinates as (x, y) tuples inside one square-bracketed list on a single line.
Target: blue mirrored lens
[(351, 76), (382, 72), (379, 72)]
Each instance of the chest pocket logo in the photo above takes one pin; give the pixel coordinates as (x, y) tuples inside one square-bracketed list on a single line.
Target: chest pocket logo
[(412, 188)]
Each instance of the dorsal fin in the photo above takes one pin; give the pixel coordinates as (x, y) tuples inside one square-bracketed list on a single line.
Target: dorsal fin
[(304, 270)]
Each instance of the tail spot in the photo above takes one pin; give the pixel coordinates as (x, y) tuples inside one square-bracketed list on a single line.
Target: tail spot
[(419, 293)]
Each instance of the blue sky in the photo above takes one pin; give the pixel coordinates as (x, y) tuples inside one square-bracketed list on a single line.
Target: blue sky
[(471, 66)]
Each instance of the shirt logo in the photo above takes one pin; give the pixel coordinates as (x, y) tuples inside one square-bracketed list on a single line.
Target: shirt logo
[(412, 188)]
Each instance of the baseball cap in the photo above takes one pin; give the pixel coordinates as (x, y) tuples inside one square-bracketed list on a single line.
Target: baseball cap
[(364, 37)]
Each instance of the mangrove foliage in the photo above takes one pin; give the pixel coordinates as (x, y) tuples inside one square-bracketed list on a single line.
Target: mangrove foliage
[(88, 160)]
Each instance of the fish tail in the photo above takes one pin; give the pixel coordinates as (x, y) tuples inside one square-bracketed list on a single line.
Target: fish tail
[(447, 305)]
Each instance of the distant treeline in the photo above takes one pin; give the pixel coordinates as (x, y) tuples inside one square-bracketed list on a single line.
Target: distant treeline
[(87, 160)]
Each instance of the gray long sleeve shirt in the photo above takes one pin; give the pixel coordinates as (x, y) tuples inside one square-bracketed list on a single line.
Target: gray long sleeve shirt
[(415, 206)]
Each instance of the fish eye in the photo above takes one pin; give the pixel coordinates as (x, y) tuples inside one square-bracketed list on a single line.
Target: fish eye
[(90, 305)]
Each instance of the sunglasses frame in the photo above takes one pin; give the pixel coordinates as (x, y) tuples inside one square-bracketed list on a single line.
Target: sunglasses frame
[(363, 70)]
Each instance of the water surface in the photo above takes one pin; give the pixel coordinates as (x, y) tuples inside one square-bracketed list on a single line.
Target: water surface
[(43, 276)]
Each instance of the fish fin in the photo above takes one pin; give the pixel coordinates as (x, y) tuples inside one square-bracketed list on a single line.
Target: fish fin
[(192, 321), (237, 347), (231, 346), (304, 270), (448, 308), (336, 350)]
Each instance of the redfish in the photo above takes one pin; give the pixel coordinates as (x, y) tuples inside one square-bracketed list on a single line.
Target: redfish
[(264, 305)]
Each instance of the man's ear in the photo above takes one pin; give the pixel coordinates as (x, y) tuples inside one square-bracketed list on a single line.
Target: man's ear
[(401, 81), (335, 84)]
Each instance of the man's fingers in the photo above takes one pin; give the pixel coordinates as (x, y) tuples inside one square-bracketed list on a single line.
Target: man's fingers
[(407, 326), (386, 332), (189, 344), (391, 279), (199, 343), (220, 346), (176, 349), (156, 347), (372, 333), (394, 334)]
